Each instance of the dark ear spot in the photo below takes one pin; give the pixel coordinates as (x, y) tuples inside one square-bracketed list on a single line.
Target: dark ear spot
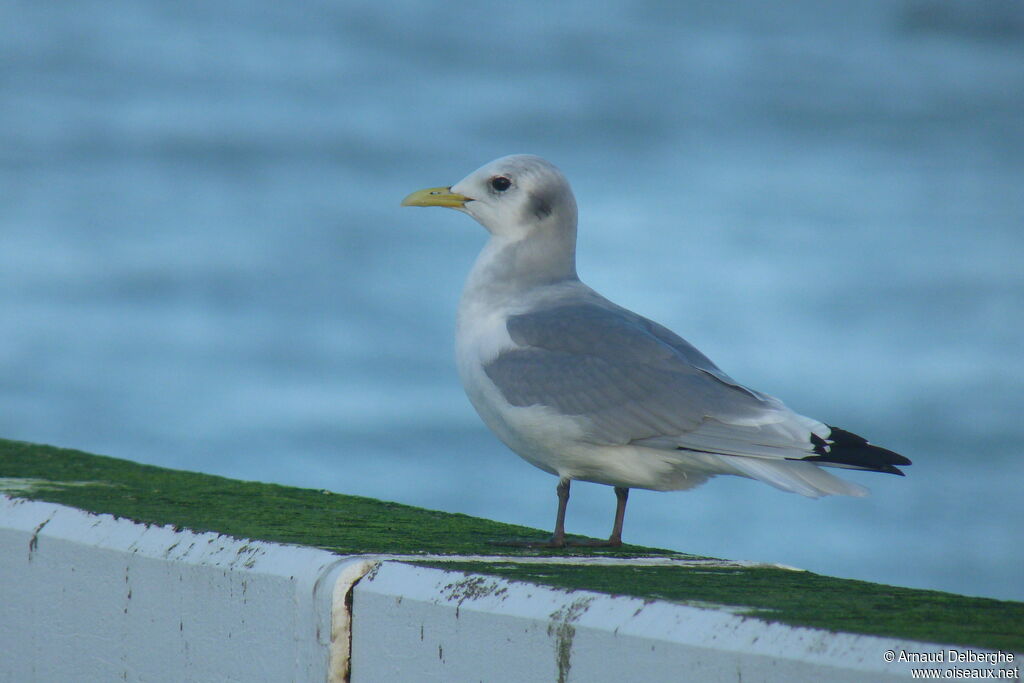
[(540, 205)]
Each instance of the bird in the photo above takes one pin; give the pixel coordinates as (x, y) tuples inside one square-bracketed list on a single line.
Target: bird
[(587, 390)]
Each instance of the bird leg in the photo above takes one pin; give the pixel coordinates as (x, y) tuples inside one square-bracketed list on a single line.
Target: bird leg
[(558, 540), (558, 537), (614, 541), (621, 496)]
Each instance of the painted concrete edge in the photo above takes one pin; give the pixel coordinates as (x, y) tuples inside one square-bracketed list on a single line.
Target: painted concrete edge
[(59, 553), (165, 542), (324, 591), (705, 636)]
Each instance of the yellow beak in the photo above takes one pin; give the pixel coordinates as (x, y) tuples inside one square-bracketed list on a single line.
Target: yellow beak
[(436, 196)]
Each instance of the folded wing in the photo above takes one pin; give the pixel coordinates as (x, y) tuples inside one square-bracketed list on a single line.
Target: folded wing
[(633, 381)]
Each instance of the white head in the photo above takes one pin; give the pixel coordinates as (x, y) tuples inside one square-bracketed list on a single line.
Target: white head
[(528, 207), (510, 196)]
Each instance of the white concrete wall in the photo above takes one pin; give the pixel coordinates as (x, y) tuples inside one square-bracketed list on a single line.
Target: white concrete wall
[(416, 624), (87, 597), (91, 598)]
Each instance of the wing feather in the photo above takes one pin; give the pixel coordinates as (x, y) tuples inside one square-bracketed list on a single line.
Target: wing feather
[(632, 381)]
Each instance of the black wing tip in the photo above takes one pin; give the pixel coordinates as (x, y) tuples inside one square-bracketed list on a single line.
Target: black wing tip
[(844, 438), (846, 449)]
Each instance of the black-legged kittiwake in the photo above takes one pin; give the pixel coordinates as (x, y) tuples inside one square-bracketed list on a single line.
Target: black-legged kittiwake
[(585, 389)]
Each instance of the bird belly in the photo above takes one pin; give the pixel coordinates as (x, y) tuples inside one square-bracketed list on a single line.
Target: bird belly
[(535, 433), (557, 444)]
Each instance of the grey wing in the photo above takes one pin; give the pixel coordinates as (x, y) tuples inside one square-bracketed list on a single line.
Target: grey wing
[(634, 381)]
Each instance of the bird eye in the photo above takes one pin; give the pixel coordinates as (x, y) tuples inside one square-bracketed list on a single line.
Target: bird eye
[(500, 183)]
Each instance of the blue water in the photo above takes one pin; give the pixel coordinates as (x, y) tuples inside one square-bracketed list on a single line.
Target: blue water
[(203, 263)]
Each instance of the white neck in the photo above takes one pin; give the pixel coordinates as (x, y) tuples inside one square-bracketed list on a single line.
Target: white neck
[(508, 267)]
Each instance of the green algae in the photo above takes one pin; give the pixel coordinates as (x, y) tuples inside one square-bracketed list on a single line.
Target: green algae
[(358, 525), (202, 502)]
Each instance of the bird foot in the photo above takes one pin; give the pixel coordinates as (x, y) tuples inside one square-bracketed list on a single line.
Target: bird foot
[(559, 543), (593, 543), (517, 543)]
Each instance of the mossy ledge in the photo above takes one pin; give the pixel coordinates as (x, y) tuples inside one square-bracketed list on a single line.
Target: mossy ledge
[(267, 512), (358, 525)]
